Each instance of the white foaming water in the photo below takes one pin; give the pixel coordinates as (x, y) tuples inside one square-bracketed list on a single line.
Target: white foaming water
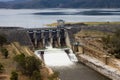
[(56, 57), (49, 46)]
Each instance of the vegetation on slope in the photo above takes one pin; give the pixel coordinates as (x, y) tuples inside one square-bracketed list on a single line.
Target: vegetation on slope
[(112, 43), (19, 63), (30, 66), (102, 41)]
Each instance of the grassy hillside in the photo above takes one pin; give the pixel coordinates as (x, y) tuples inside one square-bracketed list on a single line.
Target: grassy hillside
[(9, 63)]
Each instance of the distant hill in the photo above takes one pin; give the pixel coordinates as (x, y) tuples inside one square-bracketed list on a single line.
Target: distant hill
[(62, 4), (5, 0), (4, 5)]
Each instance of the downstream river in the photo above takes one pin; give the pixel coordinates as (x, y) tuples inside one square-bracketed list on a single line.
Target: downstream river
[(79, 71), (32, 18)]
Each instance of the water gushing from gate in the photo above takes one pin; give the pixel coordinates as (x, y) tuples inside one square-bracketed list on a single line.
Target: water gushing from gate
[(56, 57)]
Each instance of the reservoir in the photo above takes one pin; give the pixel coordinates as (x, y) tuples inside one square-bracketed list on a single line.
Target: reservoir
[(36, 18)]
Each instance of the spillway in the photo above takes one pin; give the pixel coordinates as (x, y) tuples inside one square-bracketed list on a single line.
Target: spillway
[(60, 61), (56, 58)]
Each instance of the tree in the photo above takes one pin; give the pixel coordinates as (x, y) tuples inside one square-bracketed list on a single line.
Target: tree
[(20, 59), (1, 68), (3, 40), (36, 75), (4, 52), (28, 64), (32, 64), (14, 76)]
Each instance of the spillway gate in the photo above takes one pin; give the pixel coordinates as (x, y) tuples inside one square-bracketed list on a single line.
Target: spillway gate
[(56, 37)]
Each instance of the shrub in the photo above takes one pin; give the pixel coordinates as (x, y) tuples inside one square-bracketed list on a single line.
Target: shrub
[(14, 76), (20, 59), (112, 44), (1, 68), (4, 52), (36, 75), (32, 64), (28, 64), (3, 40)]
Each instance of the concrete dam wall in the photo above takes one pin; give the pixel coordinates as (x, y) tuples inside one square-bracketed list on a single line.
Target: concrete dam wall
[(37, 38), (16, 35), (44, 37)]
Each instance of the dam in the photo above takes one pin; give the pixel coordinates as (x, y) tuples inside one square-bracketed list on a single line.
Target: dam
[(42, 37), (55, 50), (53, 46)]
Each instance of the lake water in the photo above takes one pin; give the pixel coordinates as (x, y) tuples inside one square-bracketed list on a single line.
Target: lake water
[(37, 18)]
